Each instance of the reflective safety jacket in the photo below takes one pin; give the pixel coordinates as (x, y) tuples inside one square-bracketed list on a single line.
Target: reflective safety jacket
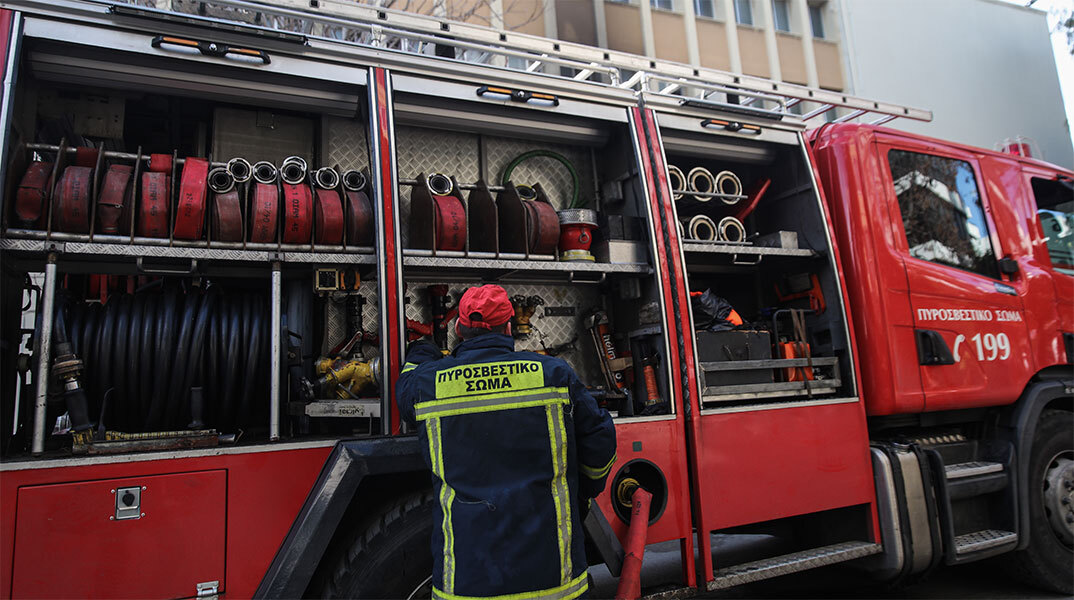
[(516, 446)]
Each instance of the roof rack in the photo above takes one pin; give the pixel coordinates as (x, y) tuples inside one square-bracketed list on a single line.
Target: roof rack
[(362, 24)]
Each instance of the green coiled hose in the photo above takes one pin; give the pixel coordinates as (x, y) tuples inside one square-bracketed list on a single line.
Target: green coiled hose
[(575, 202)]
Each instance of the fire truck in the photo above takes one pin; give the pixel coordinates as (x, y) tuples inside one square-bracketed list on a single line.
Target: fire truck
[(223, 222)]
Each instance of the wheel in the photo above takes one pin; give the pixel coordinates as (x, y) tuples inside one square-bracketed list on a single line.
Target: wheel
[(1048, 562), (391, 558)]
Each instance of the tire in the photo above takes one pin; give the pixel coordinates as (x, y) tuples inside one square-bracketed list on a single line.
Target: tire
[(1048, 561), (391, 557)]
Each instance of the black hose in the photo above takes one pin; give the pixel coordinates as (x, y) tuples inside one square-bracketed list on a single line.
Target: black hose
[(103, 364), (149, 332), (134, 349), (165, 341), (176, 393), (120, 407)]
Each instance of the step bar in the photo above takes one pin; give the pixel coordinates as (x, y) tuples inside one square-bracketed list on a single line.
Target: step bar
[(791, 563), (984, 540)]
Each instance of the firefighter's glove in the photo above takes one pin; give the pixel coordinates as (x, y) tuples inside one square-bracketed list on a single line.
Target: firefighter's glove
[(423, 350)]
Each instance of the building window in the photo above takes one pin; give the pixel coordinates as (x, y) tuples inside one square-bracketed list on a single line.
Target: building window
[(663, 4), (704, 8), (816, 20), (743, 12), (781, 15), (941, 211), (1055, 217)]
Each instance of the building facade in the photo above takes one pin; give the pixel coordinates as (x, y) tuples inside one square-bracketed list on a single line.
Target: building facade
[(984, 67)]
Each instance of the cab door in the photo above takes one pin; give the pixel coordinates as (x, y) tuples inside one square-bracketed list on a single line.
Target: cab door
[(968, 317)]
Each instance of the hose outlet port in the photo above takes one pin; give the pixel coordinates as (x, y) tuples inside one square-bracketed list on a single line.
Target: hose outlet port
[(634, 474), (440, 184), (353, 180), (220, 180)]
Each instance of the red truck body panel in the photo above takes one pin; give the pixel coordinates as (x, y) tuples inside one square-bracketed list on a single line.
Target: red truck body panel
[(894, 293), (258, 492)]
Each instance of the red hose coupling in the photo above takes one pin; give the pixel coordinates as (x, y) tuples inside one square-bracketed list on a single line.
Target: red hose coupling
[(30, 197), (112, 202), (227, 217), (263, 213), (152, 218), (297, 216), (71, 200), (193, 190), (576, 233), (328, 213)]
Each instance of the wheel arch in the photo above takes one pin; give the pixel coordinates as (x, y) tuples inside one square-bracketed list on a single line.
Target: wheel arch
[(1049, 389), (358, 474)]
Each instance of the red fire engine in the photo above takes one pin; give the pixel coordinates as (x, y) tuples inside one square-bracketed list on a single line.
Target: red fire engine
[(223, 222)]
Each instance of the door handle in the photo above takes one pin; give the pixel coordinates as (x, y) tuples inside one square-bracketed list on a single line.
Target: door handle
[(932, 349), (215, 49)]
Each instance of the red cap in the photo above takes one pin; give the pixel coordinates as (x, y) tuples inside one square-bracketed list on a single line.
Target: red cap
[(485, 307)]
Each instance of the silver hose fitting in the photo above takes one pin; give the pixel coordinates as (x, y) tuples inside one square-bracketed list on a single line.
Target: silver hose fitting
[(353, 180), (220, 180), (439, 184), (265, 172), (677, 181), (326, 178), (731, 230), (701, 180), (293, 170), (702, 228), (730, 185), (240, 169)]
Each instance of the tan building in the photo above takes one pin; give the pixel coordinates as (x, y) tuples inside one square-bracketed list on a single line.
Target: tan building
[(796, 41)]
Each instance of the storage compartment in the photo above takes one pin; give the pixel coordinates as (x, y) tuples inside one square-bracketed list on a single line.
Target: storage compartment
[(754, 235), (161, 536), (548, 204), (172, 212)]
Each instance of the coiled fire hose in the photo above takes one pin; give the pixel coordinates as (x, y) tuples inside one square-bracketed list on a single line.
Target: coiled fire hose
[(71, 200), (266, 199), (575, 201), (327, 208), (150, 349), (112, 202), (30, 197), (359, 209), (193, 190)]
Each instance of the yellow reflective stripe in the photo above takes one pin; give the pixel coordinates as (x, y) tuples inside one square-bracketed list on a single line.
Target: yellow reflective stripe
[(477, 378), (572, 589), (408, 367), (491, 402), (447, 496), (557, 436), (593, 473)]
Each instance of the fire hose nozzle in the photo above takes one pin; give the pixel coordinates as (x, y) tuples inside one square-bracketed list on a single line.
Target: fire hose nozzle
[(221, 181), (439, 184), (326, 178), (353, 180), (293, 170), (265, 172), (525, 306), (240, 169)]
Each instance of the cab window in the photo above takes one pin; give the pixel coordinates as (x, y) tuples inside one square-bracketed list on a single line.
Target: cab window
[(1055, 217), (941, 211)]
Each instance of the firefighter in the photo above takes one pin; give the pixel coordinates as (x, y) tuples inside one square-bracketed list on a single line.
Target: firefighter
[(517, 448)]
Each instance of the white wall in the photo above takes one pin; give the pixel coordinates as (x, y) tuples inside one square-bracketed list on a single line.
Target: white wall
[(984, 67)]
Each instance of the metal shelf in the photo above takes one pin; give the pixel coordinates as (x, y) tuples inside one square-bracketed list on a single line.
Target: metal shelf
[(757, 391), (282, 254), (502, 264), (518, 262), (693, 246)]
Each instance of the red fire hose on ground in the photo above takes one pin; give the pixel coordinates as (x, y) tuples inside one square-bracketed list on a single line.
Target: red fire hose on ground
[(630, 579)]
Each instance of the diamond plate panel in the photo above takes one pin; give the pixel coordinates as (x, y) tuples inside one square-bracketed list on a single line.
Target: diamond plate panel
[(553, 176), (348, 145), (547, 331)]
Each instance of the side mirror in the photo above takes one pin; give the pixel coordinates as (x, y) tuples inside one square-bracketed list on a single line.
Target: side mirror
[(1008, 266)]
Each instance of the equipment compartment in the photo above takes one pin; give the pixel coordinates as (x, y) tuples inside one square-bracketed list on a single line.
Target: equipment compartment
[(753, 233), (178, 215), (550, 205)]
